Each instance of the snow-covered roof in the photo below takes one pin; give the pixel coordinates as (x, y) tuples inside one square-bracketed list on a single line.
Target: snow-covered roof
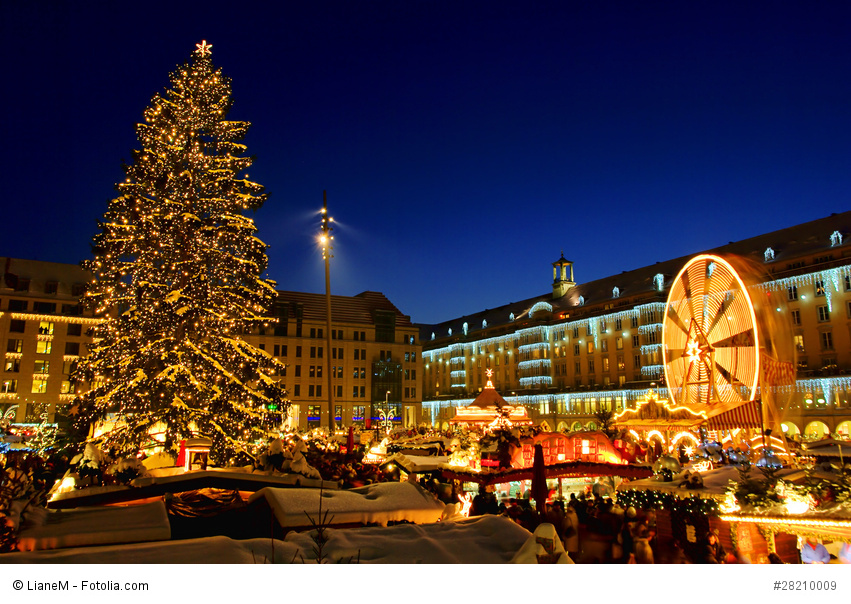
[(96, 526), (480, 540), (376, 504)]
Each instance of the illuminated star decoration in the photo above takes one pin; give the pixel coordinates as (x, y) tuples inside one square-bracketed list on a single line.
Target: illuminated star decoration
[(204, 48), (693, 351)]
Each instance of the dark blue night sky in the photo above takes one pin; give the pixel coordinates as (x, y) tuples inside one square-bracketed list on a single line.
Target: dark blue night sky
[(463, 144)]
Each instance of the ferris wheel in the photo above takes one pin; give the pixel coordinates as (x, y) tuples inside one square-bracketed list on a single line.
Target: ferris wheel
[(710, 336)]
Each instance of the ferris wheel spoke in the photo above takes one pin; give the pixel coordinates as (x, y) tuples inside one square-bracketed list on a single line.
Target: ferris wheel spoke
[(728, 388), (720, 313), (738, 363), (675, 318)]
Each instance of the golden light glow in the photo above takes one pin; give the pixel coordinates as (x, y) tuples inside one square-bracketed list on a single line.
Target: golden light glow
[(812, 522), (708, 300)]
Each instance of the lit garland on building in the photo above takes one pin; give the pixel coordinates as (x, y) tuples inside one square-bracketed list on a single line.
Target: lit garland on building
[(177, 270), (659, 500)]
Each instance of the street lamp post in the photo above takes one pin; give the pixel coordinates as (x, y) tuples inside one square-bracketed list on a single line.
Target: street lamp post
[(326, 239)]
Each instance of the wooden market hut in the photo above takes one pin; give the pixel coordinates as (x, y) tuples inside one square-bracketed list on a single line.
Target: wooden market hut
[(490, 409)]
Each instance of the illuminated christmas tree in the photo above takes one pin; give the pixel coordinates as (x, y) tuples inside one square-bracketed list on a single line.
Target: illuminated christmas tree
[(178, 278)]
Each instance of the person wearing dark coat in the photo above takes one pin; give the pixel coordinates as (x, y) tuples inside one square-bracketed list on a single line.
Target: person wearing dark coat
[(714, 552)]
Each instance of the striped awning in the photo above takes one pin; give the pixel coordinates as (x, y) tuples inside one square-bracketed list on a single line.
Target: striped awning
[(746, 415)]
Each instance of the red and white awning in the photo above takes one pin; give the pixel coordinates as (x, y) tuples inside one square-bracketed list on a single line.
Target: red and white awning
[(746, 415)]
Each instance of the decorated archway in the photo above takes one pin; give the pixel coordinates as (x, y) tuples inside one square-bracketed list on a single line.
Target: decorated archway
[(843, 430), (790, 429), (816, 430)]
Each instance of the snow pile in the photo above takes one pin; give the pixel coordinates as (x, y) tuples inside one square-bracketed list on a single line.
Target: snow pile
[(543, 547), (374, 504), (96, 526), (418, 464)]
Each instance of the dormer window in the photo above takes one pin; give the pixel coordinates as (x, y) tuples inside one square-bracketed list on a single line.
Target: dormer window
[(769, 254), (581, 301), (616, 292), (659, 281), (511, 317), (466, 327), (484, 324), (835, 239)]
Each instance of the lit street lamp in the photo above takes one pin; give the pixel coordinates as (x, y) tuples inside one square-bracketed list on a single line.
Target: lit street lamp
[(326, 239)]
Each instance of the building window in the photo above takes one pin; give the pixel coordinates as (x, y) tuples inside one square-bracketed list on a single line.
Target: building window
[(636, 361), (45, 328), (314, 417), (17, 326), (799, 342), (39, 386), (827, 340), (619, 343), (634, 322), (45, 308), (75, 329), (590, 366), (10, 386), (635, 341), (18, 305), (576, 350), (298, 351), (12, 366), (605, 364), (72, 348), (792, 292), (819, 288), (823, 313), (42, 347), (576, 331), (618, 324), (621, 363), (590, 347), (796, 317), (298, 370), (23, 285), (297, 390), (604, 345), (14, 345), (42, 367)]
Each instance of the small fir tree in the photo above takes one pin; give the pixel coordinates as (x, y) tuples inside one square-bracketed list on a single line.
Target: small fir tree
[(177, 279)]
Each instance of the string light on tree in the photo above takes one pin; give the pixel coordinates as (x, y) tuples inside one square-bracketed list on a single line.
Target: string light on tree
[(177, 279)]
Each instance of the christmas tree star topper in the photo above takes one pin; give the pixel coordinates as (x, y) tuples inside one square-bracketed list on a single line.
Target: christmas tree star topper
[(204, 48)]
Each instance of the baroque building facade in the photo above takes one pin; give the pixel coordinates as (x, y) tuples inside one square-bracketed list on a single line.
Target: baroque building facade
[(374, 354), (589, 347)]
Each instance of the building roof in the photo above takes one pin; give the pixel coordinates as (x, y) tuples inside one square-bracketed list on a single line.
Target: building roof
[(39, 273), (639, 285), (359, 309)]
